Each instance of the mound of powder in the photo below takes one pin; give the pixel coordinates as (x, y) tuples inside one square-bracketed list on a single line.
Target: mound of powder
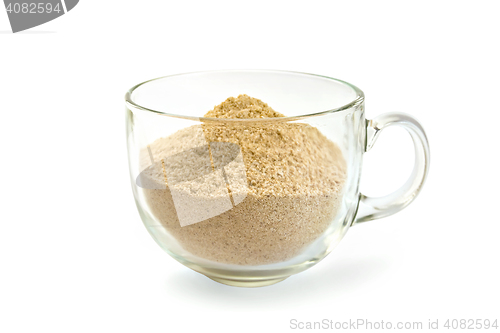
[(242, 107), (246, 193)]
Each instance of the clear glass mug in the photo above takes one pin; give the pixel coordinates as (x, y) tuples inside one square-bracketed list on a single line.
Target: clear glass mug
[(207, 200)]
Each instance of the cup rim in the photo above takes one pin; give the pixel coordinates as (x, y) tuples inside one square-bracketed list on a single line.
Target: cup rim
[(360, 96)]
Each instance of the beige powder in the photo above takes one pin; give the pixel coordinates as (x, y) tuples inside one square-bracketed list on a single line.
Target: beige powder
[(268, 189)]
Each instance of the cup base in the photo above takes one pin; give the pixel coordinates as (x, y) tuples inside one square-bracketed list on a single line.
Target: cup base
[(246, 283)]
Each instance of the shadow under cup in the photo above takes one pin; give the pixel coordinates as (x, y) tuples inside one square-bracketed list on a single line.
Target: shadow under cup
[(247, 202)]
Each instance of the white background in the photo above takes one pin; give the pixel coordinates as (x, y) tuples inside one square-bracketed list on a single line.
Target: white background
[(74, 256)]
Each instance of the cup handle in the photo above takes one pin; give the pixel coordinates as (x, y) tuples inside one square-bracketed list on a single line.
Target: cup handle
[(374, 208)]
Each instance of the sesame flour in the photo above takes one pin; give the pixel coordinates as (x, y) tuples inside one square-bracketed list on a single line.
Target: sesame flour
[(244, 192)]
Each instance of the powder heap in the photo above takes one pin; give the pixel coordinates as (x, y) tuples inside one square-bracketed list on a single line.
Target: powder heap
[(267, 188), (243, 107)]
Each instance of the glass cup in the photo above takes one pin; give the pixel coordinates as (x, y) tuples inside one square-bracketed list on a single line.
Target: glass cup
[(250, 201)]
